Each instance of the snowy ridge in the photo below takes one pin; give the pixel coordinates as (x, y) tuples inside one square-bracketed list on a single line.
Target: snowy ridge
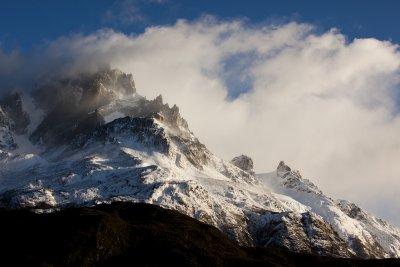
[(366, 235), (104, 142)]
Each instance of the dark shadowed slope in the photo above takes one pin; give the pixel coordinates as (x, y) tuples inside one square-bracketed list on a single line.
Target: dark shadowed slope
[(126, 234)]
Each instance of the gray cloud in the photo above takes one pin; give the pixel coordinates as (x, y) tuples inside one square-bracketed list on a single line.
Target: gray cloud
[(325, 105), (10, 62)]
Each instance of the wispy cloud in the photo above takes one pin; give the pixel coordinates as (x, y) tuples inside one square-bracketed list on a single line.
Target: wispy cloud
[(322, 103), (128, 11)]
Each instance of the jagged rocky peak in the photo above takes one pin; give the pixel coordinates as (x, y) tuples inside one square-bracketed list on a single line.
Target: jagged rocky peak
[(283, 169), (243, 162), (11, 105), (123, 82), (80, 104), (72, 104), (157, 109), (85, 92)]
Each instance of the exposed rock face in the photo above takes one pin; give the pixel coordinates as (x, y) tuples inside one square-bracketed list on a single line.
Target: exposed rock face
[(76, 106), (140, 130), (6, 136), (302, 232), (151, 108), (69, 102), (86, 91), (12, 107), (13, 120), (283, 169), (375, 225), (352, 210), (243, 162), (3, 119)]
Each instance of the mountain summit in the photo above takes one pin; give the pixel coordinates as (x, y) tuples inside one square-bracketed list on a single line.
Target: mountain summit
[(93, 139)]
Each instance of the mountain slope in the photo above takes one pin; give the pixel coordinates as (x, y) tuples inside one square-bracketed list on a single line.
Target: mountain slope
[(367, 235), (125, 234), (101, 142)]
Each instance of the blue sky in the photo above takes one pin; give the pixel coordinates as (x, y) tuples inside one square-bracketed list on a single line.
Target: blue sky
[(24, 24)]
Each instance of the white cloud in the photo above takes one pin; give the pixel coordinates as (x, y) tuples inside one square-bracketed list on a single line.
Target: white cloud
[(321, 103)]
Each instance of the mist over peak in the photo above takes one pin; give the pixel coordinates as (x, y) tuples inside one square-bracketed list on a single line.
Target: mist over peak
[(77, 105)]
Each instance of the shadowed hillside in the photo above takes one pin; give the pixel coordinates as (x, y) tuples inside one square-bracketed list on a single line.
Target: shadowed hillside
[(126, 234)]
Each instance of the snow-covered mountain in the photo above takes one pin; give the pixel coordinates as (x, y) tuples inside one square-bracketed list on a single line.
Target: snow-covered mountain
[(93, 139)]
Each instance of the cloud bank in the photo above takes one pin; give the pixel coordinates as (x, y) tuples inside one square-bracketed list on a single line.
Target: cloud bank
[(326, 105)]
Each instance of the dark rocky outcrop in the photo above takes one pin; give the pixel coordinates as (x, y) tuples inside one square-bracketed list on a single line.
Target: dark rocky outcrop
[(141, 130), (12, 106), (126, 234), (283, 169), (243, 162), (6, 135)]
